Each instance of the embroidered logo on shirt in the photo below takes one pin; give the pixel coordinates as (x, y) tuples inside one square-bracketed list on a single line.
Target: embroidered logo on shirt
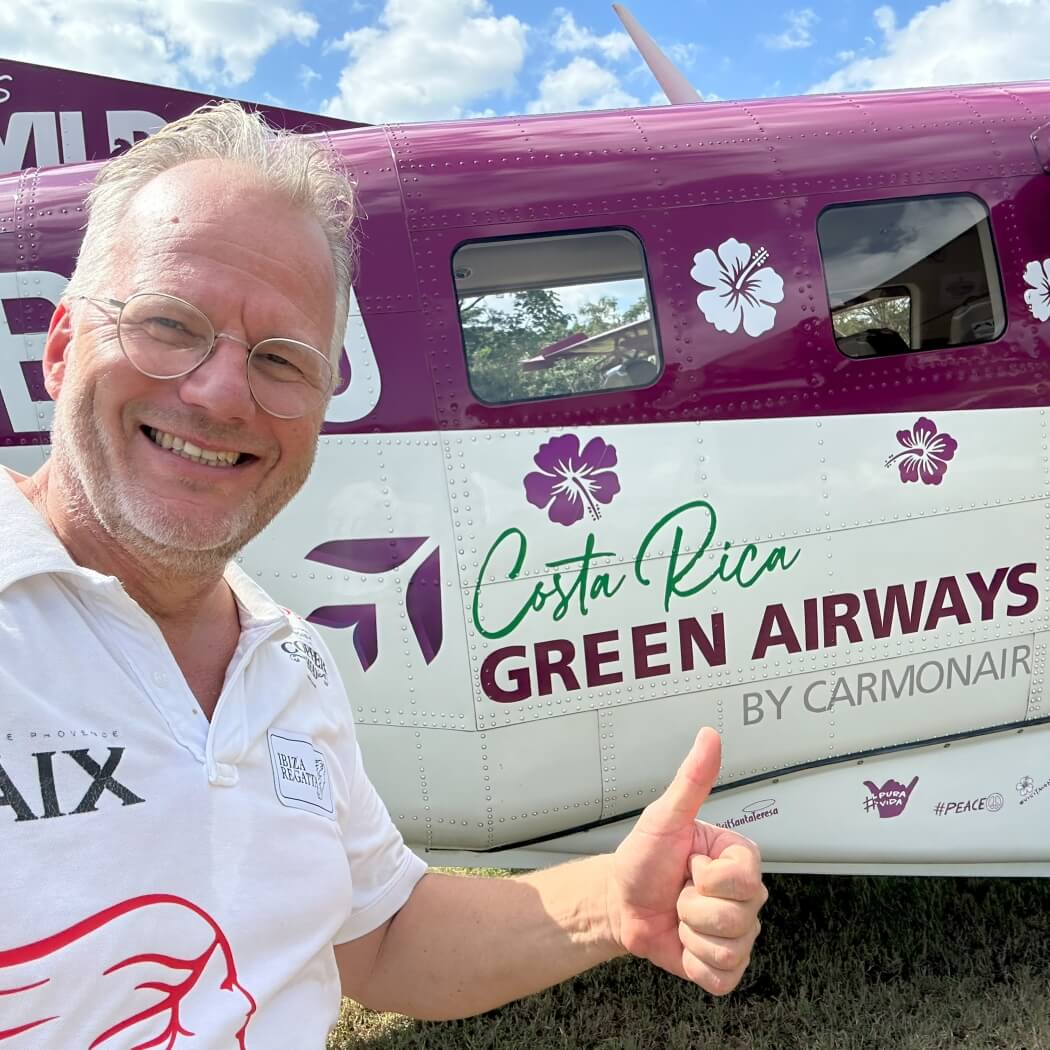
[(301, 651), (300, 773)]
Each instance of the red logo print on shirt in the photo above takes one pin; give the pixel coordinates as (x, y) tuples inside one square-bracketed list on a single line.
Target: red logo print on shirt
[(150, 973)]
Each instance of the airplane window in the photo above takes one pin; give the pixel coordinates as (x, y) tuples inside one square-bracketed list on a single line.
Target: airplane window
[(911, 274), (554, 316)]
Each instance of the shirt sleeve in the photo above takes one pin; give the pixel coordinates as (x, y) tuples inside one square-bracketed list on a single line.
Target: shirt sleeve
[(383, 870)]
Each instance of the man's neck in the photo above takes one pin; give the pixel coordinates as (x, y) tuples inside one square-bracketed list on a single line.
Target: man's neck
[(174, 600)]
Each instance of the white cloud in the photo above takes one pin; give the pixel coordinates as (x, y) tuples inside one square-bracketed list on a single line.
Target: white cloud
[(798, 33), (582, 84), (953, 42), (585, 84), (427, 60), (224, 40), (307, 75), (112, 39), (173, 42), (573, 38), (886, 19), (682, 55)]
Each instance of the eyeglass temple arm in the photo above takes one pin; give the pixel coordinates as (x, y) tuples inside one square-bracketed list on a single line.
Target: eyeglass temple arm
[(107, 302)]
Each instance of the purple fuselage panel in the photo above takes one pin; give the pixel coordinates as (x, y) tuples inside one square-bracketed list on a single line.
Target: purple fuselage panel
[(684, 179)]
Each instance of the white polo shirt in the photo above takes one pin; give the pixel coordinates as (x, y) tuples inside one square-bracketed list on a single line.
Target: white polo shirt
[(163, 875)]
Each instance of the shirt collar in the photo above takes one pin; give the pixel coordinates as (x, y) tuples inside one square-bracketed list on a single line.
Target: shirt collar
[(257, 608), (31, 548)]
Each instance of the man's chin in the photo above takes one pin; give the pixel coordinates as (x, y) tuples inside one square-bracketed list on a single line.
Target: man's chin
[(187, 547)]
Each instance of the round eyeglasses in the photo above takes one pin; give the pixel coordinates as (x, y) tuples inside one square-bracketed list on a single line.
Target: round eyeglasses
[(165, 337)]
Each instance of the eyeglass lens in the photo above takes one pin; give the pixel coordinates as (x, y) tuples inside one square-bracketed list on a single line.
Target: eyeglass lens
[(165, 338)]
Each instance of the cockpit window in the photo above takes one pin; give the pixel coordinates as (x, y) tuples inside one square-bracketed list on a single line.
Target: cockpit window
[(557, 315), (911, 274)]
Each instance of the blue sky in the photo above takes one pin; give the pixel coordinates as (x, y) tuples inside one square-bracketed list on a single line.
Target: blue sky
[(410, 60)]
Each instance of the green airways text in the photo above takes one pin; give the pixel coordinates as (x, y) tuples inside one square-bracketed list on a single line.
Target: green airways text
[(576, 585)]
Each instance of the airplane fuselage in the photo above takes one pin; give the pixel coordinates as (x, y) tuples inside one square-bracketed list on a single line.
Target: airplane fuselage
[(795, 485)]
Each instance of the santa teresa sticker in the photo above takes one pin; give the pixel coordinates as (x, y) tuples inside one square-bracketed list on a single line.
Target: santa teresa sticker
[(300, 773)]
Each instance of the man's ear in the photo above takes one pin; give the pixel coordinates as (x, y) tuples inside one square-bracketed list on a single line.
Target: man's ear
[(57, 347)]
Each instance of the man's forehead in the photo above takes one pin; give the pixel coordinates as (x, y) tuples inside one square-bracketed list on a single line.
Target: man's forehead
[(205, 214), (203, 190)]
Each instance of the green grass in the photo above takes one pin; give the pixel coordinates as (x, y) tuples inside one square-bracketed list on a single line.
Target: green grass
[(842, 964)]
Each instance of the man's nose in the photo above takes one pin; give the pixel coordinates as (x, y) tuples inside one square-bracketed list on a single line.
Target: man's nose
[(220, 385)]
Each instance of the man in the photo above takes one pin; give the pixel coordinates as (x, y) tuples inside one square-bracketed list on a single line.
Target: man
[(157, 888)]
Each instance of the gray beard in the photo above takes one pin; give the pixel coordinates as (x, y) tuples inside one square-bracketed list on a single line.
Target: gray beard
[(82, 455)]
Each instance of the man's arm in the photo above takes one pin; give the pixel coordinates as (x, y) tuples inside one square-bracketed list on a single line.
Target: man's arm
[(464, 944), (683, 894)]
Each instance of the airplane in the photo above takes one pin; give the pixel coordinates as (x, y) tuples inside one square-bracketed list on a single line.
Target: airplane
[(727, 413)]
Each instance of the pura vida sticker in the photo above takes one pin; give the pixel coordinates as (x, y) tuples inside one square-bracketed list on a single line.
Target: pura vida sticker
[(889, 799)]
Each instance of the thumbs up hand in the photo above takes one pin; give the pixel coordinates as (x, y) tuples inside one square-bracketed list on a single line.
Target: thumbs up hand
[(685, 894)]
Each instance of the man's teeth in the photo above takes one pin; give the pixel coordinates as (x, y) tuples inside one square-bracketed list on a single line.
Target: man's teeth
[(190, 451)]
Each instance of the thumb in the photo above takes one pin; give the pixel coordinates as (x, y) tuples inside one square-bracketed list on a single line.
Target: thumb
[(692, 783)]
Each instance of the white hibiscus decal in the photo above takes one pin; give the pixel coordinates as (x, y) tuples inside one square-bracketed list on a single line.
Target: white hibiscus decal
[(1037, 276), (740, 287)]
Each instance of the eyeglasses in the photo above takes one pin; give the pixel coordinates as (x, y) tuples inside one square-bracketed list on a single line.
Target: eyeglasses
[(166, 338)]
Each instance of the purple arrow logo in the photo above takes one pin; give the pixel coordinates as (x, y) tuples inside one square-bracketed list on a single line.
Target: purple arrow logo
[(374, 557)]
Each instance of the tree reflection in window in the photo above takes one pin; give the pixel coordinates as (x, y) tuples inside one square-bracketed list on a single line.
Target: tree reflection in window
[(579, 321)]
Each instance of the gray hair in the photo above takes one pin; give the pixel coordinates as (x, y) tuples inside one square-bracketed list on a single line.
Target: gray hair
[(301, 169)]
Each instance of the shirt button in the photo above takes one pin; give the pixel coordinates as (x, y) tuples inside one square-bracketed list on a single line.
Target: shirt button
[(160, 678), (225, 775)]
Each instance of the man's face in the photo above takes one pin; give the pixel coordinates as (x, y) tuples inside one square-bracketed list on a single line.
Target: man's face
[(256, 267)]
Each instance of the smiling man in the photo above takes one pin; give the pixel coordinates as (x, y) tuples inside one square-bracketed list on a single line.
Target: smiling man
[(178, 798)]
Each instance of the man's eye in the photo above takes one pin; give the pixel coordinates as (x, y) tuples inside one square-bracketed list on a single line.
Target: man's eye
[(277, 361), (170, 324), (169, 330)]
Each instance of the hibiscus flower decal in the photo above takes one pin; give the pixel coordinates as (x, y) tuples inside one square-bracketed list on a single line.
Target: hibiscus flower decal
[(926, 452), (1037, 276), (570, 481), (740, 287)]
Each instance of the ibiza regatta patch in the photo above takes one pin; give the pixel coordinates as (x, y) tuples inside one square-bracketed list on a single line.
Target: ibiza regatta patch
[(300, 773)]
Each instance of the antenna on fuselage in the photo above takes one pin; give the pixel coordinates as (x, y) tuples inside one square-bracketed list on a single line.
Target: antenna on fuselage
[(677, 89)]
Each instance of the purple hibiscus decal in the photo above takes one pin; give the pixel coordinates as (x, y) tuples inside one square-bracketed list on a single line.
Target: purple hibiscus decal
[(570, 480), (926, 452)]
